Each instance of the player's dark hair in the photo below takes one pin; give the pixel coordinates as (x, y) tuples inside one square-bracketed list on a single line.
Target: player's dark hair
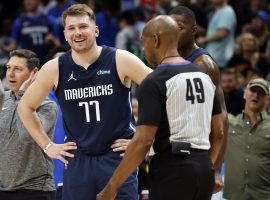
[(184, 11)]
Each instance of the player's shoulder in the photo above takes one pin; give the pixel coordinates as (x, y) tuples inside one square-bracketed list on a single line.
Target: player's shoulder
[(151, 76), (126, 55), (51, 64), (205, 61), (50, 69), (125, 58), (209, 66)]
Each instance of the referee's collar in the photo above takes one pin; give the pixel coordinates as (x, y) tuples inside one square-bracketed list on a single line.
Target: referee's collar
[(174, 64)]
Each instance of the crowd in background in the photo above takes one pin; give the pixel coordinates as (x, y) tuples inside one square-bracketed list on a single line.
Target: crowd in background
[(246, 54)]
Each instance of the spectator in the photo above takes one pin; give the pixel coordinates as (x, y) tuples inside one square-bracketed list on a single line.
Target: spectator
[(32, 30), (128, 38), (142, 15), (247, 163), (219, 38), (128, 5), (107, 22), (5, 40), (247, 56), (55, 13), (246, 10), (259, 26), (233, 96), (164, 6)]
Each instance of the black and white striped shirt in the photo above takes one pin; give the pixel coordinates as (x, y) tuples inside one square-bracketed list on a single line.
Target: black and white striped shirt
[(180, 100)]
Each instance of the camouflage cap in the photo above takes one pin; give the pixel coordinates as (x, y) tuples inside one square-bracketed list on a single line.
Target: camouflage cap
[(259, 82)]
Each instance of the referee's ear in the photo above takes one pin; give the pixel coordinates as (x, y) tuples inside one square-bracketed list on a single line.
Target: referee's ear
[(156, 40)]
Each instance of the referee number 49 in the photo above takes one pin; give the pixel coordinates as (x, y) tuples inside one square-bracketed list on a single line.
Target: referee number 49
[(195, 91)]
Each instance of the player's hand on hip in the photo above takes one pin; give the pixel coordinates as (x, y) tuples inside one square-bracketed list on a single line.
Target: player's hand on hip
[(60, 151), (218, 182), (107, 194), (120, 145)]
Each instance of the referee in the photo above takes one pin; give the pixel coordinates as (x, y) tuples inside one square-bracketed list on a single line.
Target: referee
[(178, 109)]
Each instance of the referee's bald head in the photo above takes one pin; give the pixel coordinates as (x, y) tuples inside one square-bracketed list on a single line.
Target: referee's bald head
[(164, 28), (160, 34)]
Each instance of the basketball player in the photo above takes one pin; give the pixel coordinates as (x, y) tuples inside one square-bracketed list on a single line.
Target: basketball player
[(92, 85)]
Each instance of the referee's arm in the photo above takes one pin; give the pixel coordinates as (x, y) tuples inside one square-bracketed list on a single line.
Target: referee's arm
[(134, 155)]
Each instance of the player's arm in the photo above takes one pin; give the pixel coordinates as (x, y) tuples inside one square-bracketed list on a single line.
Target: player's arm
[(32, 99), (47, 112), (134, 155), (46, 79), (216, 141), (47, 115), (211, 68), (216, 137), (130, 68), (217, 133)]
